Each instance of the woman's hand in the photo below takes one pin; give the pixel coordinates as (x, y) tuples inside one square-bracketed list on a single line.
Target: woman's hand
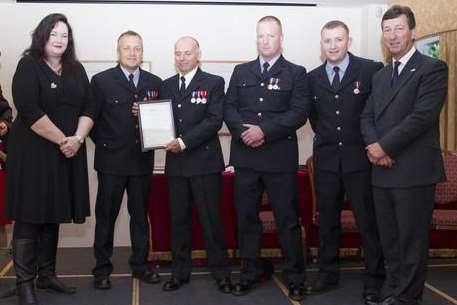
[(69, 146)]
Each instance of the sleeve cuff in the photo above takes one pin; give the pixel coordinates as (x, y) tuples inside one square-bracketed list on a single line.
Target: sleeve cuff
[(181, 144)]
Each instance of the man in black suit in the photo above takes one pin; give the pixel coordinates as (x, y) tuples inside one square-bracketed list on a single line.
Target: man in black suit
[(119, 161), (400, 125), (340, 88), (267, 101), (194, 164)]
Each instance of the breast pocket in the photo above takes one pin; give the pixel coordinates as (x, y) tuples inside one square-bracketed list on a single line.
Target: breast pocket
[(246, 91)]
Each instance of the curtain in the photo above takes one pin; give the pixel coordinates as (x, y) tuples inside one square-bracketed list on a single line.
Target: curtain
[(448, 118)]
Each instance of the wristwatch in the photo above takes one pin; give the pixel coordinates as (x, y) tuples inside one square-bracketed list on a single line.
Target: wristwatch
[(80, 139)]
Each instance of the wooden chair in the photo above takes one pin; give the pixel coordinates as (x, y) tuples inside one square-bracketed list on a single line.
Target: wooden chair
[(443, 234)]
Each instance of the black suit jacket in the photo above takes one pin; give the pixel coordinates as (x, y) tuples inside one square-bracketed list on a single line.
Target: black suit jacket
[(278, 112), (196, 124), (115, 133), (405, 122), (335, 116)]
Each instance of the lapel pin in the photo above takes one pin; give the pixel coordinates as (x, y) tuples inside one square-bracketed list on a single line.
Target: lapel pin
[(53, 85), (413, 69)]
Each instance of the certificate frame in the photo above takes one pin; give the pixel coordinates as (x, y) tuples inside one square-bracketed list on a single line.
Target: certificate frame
[(155, 123)]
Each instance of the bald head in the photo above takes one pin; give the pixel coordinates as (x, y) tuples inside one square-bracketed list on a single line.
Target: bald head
[(187, 54)]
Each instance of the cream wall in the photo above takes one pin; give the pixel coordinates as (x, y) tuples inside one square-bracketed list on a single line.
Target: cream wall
[(224, 33)]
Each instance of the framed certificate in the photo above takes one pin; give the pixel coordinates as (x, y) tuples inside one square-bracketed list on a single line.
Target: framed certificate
[(156, 123)]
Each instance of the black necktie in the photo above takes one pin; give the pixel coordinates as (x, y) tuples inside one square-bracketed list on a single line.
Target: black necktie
[(266, 65), (395, 75), (131, 83), (336, 79), (182, 89)]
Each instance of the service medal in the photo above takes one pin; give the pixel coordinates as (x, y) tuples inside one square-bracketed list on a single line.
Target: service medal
[(357, 86), (204, 94), (270, 84)]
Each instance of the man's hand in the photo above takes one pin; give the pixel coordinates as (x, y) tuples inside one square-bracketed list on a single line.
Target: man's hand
[(173, 146), (70, 146), (135, 109), (253, 136), (386, 161), (3, 128), (375, 151)]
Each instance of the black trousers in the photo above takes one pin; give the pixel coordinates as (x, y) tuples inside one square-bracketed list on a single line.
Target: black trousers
[(205, 192), (24, 230), (109, 197), (281, 189), (330, 190), (404, 216)]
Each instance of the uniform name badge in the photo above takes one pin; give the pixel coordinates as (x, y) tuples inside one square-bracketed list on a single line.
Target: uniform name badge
[(156, 123)]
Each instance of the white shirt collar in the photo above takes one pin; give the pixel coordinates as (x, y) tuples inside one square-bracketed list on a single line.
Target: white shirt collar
[(404, 59), (189, 76), (136, 73), (271, 62)]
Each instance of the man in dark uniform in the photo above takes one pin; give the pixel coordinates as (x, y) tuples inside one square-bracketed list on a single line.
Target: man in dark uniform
[(267, 101), (194, 164), (119, 161), (400, 125), (340, 88)]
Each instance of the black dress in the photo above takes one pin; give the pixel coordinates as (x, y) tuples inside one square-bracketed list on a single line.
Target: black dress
[(43, 186)]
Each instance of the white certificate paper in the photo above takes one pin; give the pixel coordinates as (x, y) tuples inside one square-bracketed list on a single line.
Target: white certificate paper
[(156, 124)]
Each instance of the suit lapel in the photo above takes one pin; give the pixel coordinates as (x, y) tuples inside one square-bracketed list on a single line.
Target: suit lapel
[(276, 68), (194, 84), (174, 87), (322, 79), (254, 67), (142, 82), (121, 80), (408, 71), (351, 73)]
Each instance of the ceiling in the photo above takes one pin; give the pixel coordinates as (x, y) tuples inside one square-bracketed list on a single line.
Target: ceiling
[(280, 2)]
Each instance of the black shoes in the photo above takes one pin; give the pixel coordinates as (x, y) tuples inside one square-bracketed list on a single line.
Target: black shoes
[(148, 276), (371, 296), (242, 288), (321, 285), (52, 283), (102, 283), (224, 285), (296, 292), (174, 284), (389, 301)]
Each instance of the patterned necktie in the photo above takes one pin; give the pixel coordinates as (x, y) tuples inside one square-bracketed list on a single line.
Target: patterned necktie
[(395, 75), (182, 89), (336, 79), (131, 83), (266, 65)]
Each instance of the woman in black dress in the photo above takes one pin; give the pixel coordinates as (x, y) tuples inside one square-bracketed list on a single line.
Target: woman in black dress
[(47, 181)]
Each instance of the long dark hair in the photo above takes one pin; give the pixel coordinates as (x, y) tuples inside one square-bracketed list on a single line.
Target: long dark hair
[(40, 37)]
